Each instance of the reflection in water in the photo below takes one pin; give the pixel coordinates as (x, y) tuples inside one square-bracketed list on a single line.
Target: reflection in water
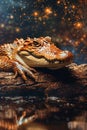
[(8, 118), (41, 115), (34, 126), (47, 126), (10, 122), (79, 123)]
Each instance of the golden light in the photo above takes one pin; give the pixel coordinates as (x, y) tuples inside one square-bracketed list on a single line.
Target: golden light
[(69, 19), (58, 2), (55, 14), (35, 14), (77, 43), (48, 10), (66, 38), (78, 25), (40, 18), (17, 29), (44, 23), (84, 36), (2, 25), (11, 16), (82, 39), (24, 14), (65, 7), (73, 6)]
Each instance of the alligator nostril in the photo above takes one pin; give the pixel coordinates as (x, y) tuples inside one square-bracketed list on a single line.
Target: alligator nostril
[(64, 54)]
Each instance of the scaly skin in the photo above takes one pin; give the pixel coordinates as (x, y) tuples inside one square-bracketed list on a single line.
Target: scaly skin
[(24, 55)]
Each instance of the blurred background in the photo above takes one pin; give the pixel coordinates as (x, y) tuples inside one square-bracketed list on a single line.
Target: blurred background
[(64, 20)]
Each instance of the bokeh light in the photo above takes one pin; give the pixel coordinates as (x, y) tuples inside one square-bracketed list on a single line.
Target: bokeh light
[(64, 20)]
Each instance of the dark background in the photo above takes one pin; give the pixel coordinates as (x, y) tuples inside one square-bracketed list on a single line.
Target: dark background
[(64, 20)]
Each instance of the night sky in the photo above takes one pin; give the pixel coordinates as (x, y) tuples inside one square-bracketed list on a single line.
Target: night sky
[(64, 20)]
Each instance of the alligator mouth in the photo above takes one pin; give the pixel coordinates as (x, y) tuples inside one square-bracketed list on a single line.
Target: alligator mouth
[(34, 61)]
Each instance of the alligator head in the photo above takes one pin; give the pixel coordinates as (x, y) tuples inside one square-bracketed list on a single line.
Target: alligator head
[(42, 52)]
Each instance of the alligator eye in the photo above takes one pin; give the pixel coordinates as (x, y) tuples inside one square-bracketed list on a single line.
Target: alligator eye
[(36, 44)]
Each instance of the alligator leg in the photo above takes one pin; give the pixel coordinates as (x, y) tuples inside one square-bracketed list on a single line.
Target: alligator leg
[(9, 64), (22, 69)]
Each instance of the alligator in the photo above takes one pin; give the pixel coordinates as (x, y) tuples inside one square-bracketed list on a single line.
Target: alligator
[(23, 56)]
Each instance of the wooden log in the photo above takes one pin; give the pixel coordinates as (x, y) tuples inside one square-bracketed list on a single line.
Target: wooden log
[(68, 82), (56, 95)]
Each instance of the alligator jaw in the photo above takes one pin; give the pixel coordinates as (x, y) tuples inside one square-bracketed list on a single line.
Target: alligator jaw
[(33, 61)]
